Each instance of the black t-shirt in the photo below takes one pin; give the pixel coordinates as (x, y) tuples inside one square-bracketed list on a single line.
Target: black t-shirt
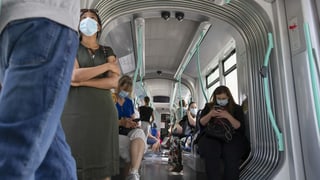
[(145, 113)]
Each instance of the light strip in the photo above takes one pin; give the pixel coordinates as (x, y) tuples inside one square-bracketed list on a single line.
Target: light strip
[(140, 30), (197, 39)]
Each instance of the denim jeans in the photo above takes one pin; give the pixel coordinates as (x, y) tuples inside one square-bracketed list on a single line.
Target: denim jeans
[(36, 61)]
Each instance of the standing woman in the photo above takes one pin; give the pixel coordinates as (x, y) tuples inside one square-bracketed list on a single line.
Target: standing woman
[(213, 149), (146, 112), (90, 118)]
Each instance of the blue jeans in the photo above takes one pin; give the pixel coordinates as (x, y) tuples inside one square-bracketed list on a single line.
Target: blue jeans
[(36, 61)]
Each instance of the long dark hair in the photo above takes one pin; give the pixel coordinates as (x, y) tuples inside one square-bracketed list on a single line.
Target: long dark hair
[(223, 90)]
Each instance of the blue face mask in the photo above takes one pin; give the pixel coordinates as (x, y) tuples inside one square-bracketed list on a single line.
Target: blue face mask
[(123, 94), (193, 111), (88, 26), (222, 102)]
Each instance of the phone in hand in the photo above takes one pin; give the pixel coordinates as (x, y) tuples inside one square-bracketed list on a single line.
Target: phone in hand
[(137, 120), (217, 107)]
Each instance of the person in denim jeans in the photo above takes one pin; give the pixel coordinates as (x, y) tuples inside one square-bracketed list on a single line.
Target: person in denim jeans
[(38, 44)]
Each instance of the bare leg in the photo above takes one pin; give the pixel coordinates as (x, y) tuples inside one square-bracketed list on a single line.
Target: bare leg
[(136, 152)]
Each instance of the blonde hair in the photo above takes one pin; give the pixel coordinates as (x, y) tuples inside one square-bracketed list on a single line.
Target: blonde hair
[(125, 81)]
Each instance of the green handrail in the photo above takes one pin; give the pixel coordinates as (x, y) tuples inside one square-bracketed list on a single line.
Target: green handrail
[(313, 72), (227, 1), (267, 95), (199, 73), (180, 104), (0, 6)]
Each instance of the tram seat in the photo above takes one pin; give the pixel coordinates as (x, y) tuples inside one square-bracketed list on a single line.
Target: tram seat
[(192, 162)]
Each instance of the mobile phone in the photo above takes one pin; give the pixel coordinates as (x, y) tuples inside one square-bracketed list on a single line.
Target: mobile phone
[(137, 120), (217, 107)]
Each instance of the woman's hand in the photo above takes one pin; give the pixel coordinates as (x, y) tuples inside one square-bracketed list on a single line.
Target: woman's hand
[(75, 84), (129, 123), (215, 112), (223, 114), (113, 67)]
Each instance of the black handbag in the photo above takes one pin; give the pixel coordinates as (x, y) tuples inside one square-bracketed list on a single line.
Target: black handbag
[(219, 128), (187, 129)]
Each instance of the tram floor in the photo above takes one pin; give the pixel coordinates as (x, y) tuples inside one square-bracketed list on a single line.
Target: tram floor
[(155, 167)]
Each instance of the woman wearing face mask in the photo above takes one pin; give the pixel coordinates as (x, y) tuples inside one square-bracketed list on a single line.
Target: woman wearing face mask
[(212, 149), (186, 126), (132, 139), (90, 119)]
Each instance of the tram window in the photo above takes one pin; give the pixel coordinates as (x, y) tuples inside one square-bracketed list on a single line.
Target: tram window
[(213, 81), (232, 84), (212, 88), (230, 61), (213, 77), (230, 74)]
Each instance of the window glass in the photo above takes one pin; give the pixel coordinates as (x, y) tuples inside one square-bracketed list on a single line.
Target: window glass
[(232, 84), (213, 76), (231, 61), (212, 88)]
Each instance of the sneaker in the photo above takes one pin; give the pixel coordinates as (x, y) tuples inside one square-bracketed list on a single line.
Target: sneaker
[(133, 176), (177, 169)]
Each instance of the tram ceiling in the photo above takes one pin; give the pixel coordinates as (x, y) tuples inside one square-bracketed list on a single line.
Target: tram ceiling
[(166, 41)]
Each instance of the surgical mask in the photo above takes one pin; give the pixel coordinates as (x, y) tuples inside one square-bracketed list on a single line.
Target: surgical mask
[(193, 111), (123, 94), (88, 26), (222, 102)]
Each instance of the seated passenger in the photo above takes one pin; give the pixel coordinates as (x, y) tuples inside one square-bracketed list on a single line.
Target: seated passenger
[(212, 149), (132, 139), (154, 138), (179, 137)]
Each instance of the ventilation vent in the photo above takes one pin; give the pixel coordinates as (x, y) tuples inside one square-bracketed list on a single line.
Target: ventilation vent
[(161, 99)]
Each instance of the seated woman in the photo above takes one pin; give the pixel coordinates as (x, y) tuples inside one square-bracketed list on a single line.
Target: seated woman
[(180, 133), (230, 152), (132, 139), (154, 138)]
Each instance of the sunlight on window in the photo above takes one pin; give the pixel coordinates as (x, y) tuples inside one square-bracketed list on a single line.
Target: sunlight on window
[(232, 84)]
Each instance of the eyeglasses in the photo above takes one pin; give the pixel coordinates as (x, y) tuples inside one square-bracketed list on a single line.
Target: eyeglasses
[(89, 10)]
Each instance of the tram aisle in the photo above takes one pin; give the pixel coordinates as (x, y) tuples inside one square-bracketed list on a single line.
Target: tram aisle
[(155, 167)]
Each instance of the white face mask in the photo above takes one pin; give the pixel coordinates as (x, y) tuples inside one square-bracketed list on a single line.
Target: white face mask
[(222, 102), (193, 111), (88, 26), (123, 94)]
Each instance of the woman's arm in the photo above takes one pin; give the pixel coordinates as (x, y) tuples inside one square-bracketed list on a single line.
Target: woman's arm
[(84, 74), (209, 113), (101, 83), (234, 122), (191, 119), (152, 117)]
